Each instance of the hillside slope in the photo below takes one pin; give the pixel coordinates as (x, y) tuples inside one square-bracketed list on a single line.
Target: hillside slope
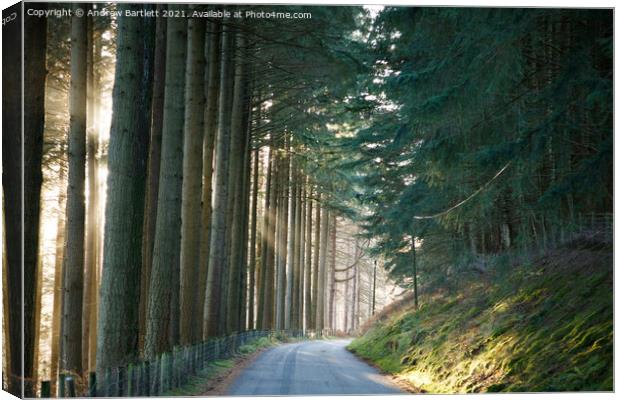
[(546, 326)]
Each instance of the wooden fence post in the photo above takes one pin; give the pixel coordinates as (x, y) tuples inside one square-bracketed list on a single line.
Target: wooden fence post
[(130, 381), (61, 385), (155, 377), (164, 379), (92, 384), (46, 389), (70, 386), (174, 367), (121, 381), (146, 378)]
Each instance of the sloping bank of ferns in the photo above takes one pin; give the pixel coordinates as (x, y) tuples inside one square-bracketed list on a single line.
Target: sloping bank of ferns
[(485, 161)]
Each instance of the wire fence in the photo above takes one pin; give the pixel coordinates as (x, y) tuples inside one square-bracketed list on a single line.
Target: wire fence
[(167, 371)]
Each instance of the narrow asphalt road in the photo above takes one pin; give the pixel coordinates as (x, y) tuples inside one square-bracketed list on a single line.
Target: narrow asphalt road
[(310, 368)]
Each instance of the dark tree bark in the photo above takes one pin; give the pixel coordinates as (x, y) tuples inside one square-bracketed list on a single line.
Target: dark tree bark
[(264, 244), (297, 277), (316, 262), (154, 160), (12, 183), (308, 259), (332, 275), (118, 325), (290, 255), (162, 325), (192, 181), (90, 270), (219, 246), (212, 91), (322, 292), (236, 174), (281, 242), (58, 273), (253, 242), (74, 247)]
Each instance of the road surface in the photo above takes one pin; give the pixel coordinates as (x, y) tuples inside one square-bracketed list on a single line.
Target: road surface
[(310, 368)]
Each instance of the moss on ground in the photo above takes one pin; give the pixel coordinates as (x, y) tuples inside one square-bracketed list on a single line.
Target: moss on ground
[(545, 326)]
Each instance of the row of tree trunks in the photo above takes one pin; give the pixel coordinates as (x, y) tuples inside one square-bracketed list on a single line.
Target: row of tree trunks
[(188, 107)]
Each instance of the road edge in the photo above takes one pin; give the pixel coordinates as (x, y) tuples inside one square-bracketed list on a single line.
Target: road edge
[(401, 383)]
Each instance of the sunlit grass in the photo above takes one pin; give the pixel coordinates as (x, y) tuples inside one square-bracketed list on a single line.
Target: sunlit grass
[(548, 331)]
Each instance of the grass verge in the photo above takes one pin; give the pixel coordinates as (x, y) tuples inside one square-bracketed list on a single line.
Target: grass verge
[(544, 326), (216, 371)]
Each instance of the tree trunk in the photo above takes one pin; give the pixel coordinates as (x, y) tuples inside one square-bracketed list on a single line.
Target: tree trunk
[(296, 317), (210, 119), (12, 169), (192, 181), (57, 304), (355, 305), (162, 325), (152, 186), (308, 259), (243, 297), (346, 305), (34, 81), (118, 324), (332, 279), (236, 174), (316, 262), (260, 309), (92, 236), (269, 304), (320, 306), (282, 246), (374, 288), (219, 245), (415, 272), (74, 250), (253, 242), (289, 306), (301, 251)]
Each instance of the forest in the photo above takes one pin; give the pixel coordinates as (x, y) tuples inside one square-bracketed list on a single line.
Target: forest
[(196, 175)]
